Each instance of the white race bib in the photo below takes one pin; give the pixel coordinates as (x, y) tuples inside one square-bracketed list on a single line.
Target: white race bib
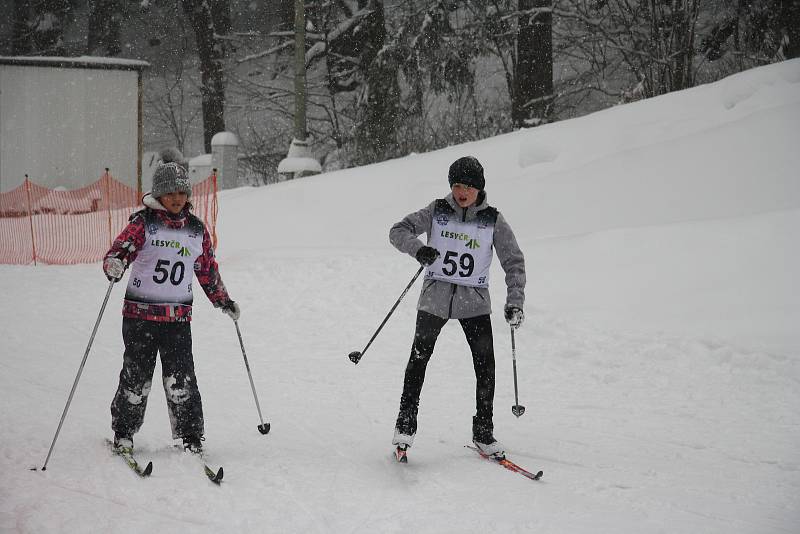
[(465, 248), (164, 269)]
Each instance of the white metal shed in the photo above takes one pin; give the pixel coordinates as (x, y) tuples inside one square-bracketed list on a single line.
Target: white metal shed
[(64, 120)]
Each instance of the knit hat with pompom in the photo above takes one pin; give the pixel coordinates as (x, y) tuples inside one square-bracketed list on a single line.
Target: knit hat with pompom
[(170, 176)]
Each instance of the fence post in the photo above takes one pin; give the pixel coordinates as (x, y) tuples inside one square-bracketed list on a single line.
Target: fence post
[(214, 208), (107, 180), (206, 188), (30, 217)]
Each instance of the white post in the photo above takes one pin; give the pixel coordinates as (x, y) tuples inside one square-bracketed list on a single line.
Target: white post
[(225, 158), (299, 161)]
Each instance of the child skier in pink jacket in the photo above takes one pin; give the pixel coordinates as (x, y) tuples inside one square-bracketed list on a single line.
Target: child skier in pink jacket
[(165, 247)]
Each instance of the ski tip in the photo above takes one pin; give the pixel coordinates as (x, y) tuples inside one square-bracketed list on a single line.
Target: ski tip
[(216, 478), (538, 475), (148, 469)]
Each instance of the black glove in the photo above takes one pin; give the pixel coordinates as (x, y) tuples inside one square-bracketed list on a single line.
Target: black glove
[(514, 316), (231, 309), (427, 255)]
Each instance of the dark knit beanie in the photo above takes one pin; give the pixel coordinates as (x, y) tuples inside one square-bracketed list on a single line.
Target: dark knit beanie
[(467, 171), (170, 175)]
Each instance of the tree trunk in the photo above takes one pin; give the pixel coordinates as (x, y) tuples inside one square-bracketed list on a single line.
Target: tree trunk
[(21, 32), (683, 19), (41, 24), (300, 132), (533, 78), (209, 19), (382, 105), (104, 28), (791, 23), (282, 11)]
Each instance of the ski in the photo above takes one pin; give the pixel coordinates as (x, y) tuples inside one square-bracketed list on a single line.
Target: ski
[(130, 460), (508, 464), (216, 478), (213, 476), (400, 454)]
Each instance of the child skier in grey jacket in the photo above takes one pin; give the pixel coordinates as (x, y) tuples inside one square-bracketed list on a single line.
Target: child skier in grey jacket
[(463, 230)]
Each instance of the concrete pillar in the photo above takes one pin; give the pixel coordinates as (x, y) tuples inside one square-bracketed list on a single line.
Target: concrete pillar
[(225, 158)]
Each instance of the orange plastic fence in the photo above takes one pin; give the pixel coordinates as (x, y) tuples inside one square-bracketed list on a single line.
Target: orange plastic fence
[(53, 226)]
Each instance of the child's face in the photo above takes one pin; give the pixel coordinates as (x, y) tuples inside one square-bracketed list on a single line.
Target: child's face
[(174, 202), (465, 195)]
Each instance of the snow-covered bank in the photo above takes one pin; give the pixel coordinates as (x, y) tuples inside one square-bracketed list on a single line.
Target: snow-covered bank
[(658, 362)]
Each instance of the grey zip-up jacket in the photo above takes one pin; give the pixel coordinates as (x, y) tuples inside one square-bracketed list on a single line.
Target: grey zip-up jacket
[(452, 301)]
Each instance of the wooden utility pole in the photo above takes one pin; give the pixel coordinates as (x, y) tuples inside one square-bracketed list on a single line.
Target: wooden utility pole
[(300, 70), (299, 161)]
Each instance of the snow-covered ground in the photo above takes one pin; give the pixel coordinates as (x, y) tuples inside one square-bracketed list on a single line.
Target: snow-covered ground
[(659, 361)]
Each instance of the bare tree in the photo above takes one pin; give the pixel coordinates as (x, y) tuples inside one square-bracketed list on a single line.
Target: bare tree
[(352, 89), (105, 18), (753, 32), (387, 78), (38, 26), (211, 22), (791, 24), (172, 106), (633, 48), (518, 33), (21, 41), (532, 98)]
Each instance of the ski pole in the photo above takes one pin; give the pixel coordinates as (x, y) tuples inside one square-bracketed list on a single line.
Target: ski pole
[(80, 370), (516, 409), (263, 427), (355, 356)]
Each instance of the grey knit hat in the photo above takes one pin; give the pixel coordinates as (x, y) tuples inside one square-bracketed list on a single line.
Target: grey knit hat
[(170, 176)]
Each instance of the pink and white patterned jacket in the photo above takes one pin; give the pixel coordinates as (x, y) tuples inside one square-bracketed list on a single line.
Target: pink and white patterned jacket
[(133, 240)]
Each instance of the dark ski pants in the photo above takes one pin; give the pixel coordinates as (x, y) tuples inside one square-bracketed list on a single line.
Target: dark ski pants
[(143, 340), (478, 331)]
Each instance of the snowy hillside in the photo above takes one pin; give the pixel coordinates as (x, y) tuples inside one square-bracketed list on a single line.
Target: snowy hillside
[(659, 361)]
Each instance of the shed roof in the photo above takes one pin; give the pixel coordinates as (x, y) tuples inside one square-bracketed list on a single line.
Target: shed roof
[(81, 62)]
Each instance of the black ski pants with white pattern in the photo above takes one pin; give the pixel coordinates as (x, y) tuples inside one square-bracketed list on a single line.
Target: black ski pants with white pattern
[(478, 331), (143, 341)]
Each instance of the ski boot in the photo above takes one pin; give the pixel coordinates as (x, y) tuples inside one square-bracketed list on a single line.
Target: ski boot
[(123, 444), (484, 440), (402, 443), (193, 444)]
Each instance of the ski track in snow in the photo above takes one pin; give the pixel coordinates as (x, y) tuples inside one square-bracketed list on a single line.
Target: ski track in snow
[(635, 428)]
